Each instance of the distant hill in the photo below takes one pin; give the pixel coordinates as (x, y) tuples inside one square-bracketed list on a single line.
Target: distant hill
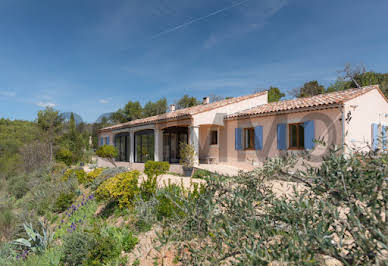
[(106, 115), (77, 118)]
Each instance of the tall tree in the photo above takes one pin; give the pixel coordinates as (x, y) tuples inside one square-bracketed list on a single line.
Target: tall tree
[(310, 88), (274, 94), (50, 122), (358, 76), (187, 101), (131, 111), (155, 108)]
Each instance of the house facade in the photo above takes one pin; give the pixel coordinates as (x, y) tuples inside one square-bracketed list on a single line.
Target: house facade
[(247, 129)]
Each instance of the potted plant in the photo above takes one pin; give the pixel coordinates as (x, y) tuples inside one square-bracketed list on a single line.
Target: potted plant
[(187, 154)]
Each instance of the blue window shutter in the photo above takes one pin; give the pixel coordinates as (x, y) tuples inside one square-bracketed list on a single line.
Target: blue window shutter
[(101, 141), (309, 135), (259, 138), (238, 139), (375, 136), (107, 140), (384, 137), (281, 133)]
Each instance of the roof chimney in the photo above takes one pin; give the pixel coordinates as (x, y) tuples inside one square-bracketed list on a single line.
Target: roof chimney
[(172, 107), (206, 100)]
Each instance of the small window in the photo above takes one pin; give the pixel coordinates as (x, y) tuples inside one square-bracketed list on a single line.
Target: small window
[(249, 138), (296, 136), (213, 137)]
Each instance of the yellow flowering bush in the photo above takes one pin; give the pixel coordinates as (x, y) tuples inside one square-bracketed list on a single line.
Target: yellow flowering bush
[(75, 173), (122, 187), (93, 174)]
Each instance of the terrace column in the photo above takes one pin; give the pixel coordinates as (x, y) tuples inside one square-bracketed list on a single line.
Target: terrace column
[(194, 140), (158, 153), (131, 146)]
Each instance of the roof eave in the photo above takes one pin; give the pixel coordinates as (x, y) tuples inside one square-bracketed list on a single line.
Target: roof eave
[(296, 110)]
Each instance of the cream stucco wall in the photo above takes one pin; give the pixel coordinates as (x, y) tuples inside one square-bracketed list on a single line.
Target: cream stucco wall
[(206, 150), (328, 126), (364, 110)]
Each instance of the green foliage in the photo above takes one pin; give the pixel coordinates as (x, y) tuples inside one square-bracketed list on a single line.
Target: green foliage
[(129, 241), (340, 213), (92, 175), (18, 185), (311, 88), (202, 174), (107, 151), (274, 94), (37, 241), (125, 239), (13, 135), (50, 123), (76, 247), (131, 111), (64, 201), (106, 174), (187, 101), (122, 188), (188, 154), (155, 108), (152, 169), (7, 221), (104, 250), (169, 202), (77, 173), (64, 155), (51, 256)]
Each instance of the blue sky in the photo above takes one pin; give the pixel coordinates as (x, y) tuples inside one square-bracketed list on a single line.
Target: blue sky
[(91, 57)]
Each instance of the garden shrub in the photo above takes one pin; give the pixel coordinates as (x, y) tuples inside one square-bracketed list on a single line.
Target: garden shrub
[(18, 186), (7, 221), (152, 169), (339, 213), (106, 174), (76, 247), (64, 201), (92, 175), (122, 187), (129, 241), (78, 173), (201, 174), (104, 250), (126, 240), (109, 152), (145, 213), (64, 155), (169, 202)]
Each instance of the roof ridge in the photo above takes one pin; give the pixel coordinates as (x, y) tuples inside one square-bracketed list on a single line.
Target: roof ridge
[(336, 97), (186, 112)]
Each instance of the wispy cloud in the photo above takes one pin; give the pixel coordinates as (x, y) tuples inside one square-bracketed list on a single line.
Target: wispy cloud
[(195, 20), (46, 104), (246, 20), (7, 93), (105, 101)]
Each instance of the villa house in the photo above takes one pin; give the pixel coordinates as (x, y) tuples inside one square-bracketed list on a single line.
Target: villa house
[(247, 129)]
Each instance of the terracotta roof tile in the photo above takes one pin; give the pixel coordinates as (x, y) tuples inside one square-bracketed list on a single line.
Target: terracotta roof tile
[(185, 113), (308, 102)]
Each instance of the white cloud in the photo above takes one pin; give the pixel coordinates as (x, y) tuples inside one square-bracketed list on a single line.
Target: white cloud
[(105, 101), (46, 104), (7, 93)]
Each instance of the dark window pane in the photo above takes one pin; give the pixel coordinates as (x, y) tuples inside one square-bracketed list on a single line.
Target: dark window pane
[(301, 136), (213, 136)]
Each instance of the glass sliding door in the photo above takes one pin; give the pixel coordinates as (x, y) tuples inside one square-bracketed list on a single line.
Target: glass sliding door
[(172, 137), (121, 144), (144, 146)]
